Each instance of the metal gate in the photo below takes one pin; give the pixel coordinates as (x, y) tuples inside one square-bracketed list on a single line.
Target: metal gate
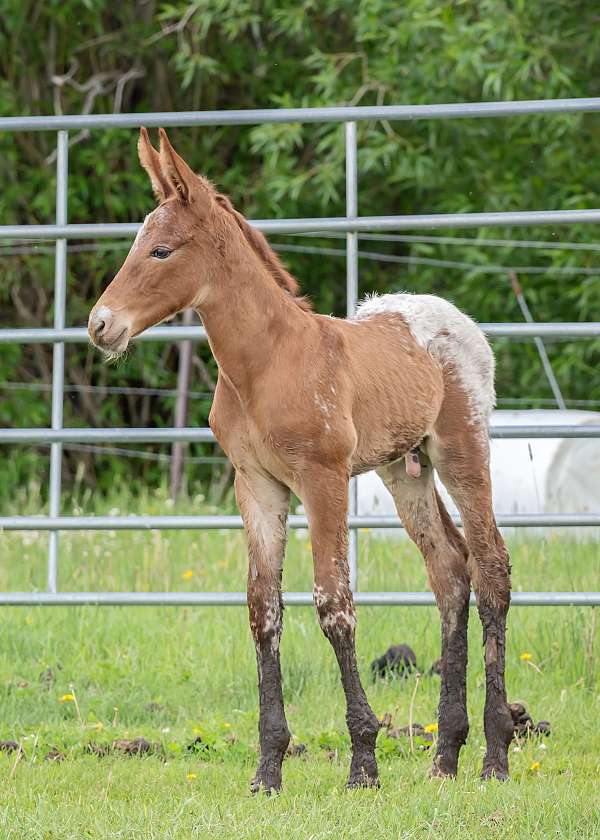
[(351, 225)]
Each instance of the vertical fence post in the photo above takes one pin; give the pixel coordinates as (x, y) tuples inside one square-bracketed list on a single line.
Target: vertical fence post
[(58, 358), (351, 299), (181, 406)]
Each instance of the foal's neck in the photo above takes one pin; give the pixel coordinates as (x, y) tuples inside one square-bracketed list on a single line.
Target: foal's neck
[(250, 322)]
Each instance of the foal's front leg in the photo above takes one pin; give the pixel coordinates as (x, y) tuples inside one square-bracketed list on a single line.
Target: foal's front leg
[(264, 505), (326, 502)]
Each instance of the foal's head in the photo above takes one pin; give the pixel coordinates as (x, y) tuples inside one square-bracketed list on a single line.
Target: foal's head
[(179, 255)]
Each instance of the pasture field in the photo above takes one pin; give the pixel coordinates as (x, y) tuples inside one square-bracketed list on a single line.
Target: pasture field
[(71, 677)]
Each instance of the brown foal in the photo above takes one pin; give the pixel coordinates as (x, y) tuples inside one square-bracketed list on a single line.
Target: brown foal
[(303, 402)]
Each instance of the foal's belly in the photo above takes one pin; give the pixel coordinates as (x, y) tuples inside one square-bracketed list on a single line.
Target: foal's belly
[(373, 452), (397, 390), (395, 419)]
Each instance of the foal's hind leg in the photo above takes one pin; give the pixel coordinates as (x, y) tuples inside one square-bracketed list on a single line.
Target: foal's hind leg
[(264, 504), (460, 453), (445, 552)]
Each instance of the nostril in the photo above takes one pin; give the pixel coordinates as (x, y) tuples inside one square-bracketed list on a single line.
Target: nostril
[(100, 322)]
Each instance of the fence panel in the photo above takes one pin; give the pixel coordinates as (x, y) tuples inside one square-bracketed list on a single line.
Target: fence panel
[(350, 225)]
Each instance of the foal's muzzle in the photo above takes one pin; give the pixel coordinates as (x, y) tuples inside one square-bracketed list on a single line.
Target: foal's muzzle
[(109, 332)]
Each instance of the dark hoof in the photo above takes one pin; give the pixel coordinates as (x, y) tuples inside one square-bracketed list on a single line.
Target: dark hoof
[(493, 771), (268, 776), (363, 773), (266, 786), (442, 770), (445, 761), (362, 780)]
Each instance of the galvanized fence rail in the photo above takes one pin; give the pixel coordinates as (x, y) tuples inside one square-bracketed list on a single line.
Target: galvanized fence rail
[(350, 225)]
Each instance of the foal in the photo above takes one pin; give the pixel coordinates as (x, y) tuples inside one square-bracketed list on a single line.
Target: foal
[(303, 402)]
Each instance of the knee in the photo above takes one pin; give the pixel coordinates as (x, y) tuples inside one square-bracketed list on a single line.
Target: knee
[(265, 618), (336, 612)]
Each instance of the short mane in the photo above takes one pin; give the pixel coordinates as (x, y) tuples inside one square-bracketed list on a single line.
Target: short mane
[(266, 254)]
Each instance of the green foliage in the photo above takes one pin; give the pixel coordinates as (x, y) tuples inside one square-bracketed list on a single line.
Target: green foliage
[(334, 741), (71, 57)]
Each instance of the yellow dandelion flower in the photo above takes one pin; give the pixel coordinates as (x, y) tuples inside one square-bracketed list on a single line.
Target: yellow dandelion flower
[(187, 575), (535, 766), (67, 698), (227, 725), (198, 730), (431, 727), (191, 776), (526, 657)]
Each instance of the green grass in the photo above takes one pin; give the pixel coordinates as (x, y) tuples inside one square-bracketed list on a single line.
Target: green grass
[(170, 673)]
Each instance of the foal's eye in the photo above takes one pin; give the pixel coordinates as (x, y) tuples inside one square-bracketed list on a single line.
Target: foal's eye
[(160, 253)]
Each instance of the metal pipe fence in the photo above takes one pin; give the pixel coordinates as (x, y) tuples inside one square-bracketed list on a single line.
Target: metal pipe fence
[(291, 599), (58, 356), (227, 522), (351, 302), (79, 335), (349, 225), (429, 221), (205, 435)]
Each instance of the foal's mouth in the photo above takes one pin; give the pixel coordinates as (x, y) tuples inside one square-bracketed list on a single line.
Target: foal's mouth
[(104, 332), (114, 347)]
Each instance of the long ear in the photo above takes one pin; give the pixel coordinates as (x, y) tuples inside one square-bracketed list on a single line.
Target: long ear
[(182, 178), (150, 160)]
